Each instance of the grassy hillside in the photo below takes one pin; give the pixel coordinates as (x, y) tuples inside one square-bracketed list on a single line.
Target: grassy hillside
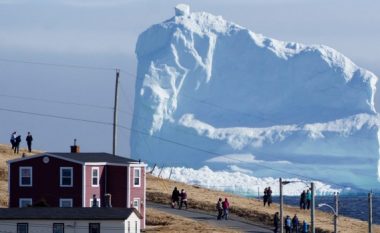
[(159, 190)]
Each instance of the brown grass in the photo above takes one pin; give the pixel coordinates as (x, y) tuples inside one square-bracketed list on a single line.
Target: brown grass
[(158, 221), (159, 190)]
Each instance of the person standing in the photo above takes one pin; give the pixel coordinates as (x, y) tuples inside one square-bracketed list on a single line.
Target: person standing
[(269, 196), (226, 207), (17, 144), (219, 208), (13, 140), (175, 197), (29, 140), (303, 200), (183, 199), (276, 221), (265, 197), (305, 227), (288, 224), (308, 199), (295, 224)]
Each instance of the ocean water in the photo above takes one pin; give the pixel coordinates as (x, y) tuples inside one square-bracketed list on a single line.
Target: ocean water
[(355, 206)]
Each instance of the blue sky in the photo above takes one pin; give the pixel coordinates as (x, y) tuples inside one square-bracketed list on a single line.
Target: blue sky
[(103, 34)]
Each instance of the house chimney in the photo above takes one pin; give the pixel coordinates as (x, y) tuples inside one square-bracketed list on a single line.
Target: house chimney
[(107, 198), (75, 148)]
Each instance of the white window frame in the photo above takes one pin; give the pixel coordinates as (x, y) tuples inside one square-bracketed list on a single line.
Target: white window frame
[(31, 177), (97, 200), (60, 176), (24, 199), (61, 200), (134, 176), (137, 202), (92, 177)]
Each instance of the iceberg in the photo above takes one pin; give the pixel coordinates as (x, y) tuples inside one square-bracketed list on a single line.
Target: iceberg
[(212, 93)]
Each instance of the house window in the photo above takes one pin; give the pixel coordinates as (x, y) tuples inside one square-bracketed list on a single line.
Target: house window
[(136, 203), (97, 202), (65, 202), (25, 202), (58, 228), (94, 228), (136, 227), (95, 177), (137, 177), (129, 227), (66, 177), (26, 176), (22, 227)]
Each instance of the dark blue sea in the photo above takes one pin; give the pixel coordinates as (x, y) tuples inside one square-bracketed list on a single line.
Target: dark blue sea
[(355, 206)]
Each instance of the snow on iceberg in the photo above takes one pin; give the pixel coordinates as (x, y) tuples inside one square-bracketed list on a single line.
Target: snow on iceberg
[(207, 88)]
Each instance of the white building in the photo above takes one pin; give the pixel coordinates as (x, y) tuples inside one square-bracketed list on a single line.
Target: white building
[(70, 220)]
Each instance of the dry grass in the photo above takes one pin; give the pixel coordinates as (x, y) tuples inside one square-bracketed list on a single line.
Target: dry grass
[(159, 190), (158, 221)]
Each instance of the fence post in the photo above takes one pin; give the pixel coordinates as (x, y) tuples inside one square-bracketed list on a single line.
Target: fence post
[(281, 209), (370, 212), (312, 212)]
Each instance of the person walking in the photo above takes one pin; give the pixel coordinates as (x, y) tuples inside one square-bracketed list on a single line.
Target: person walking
[(265, 197), (305, 227), (276, 222), (13, 140), (288, 224), (295, 224), (303, 200), (29, 140), (269, 196), (17, 144), (226, 207), (175, 197), (183, 196), (219, 208), (308, 199)]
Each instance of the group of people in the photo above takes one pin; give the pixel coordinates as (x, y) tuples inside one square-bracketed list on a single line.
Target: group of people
[(223, 208), (16, 140), (291, 225), (267, 196), (305, 199), (179, 198)]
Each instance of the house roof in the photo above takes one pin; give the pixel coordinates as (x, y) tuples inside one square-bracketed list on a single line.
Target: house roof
[(46, 213), (83, 158)]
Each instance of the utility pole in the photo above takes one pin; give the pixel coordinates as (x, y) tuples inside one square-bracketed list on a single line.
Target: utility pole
[(312, 212), (115, 113), (336, 212), (370, 212), (281, 209)]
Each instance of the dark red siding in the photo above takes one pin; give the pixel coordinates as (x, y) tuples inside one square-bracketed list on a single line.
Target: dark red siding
[(117, 185), (46, 182), (138, 192), (90, 190)]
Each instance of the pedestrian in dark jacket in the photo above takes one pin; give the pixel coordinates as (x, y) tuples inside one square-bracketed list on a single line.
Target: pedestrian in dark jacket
[(29, 140), (305, 227), (265, 197), (219, 208), (17, 144), (226, 207), (308, 199), (303, 200), (183, 196), (295, 224), (175, 197), (288, 224), (276, 222), (13, 140), (269, 196)]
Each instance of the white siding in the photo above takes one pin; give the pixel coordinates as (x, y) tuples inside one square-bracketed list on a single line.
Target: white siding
[(46, 226), (132, 219)]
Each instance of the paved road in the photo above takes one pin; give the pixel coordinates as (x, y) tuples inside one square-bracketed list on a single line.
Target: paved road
[(234, 223)]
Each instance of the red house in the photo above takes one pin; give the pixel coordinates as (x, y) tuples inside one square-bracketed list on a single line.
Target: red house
[(71, 180)]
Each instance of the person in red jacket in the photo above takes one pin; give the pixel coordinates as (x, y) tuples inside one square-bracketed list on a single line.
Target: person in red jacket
[(226, 207), (183, 196)]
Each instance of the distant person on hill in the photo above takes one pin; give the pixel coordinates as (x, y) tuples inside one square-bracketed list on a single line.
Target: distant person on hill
[(308, 199), (29, 140), (269, 196), (175, 197), (183, 196), (226, 207), (17, 144), (276, 222), (13, 140), (288, 224), (265, 197), (295, 224), (303, 200), (219, 208), (305, 227)]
